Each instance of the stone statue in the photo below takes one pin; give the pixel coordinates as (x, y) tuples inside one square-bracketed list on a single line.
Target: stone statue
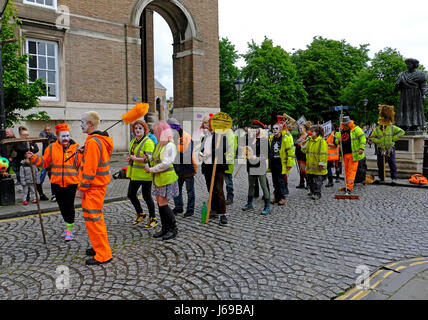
[(413, 86)]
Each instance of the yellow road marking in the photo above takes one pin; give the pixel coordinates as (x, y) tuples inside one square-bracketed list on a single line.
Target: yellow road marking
[(376, 284), (376, 274), (360, 295), (401, 268), (391, 265), (387, 274), (416, 263)]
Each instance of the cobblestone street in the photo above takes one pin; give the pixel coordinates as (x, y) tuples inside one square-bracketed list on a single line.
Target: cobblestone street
[(303, 250)]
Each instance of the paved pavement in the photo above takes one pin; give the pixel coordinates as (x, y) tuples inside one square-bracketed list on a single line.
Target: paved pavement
[(304, 250)]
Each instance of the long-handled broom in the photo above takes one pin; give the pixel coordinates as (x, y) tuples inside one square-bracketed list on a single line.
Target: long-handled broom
[(344, 196)]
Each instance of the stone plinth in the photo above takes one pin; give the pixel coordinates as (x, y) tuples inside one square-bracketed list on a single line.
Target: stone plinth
[(409, 154)]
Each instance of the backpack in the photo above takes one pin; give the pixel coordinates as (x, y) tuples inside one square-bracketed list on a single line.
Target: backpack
[(121, 174), (418, 179)]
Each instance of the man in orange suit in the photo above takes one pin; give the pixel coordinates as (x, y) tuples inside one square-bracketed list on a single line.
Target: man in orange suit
[(94, 176)]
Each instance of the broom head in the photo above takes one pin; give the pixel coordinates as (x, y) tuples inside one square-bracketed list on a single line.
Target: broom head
[(139, 111)]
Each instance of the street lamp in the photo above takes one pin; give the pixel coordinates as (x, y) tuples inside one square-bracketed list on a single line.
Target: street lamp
[(239, 84), (365, 101), (3, 4)]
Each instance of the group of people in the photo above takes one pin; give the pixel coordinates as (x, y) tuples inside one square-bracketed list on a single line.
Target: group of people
[(162, 162)]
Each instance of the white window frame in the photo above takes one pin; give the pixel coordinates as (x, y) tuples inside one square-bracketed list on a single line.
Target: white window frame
[(53, 7), (57, 84)]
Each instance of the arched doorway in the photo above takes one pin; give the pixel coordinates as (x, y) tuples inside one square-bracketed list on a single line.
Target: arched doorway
[(195, 55)]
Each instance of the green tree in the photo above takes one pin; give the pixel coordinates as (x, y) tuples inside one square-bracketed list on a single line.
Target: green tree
[(375, 83), (228, 74), (326, 67), (19, 93), (272, 85)]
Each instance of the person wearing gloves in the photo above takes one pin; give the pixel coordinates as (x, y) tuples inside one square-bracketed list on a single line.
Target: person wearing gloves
[(94, 176), (353, 145), (58, 156)]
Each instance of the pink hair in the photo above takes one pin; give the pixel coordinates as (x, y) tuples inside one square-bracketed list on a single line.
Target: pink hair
[(163, 131)]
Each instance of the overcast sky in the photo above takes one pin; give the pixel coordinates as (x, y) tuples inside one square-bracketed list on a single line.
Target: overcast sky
[(293, 24)]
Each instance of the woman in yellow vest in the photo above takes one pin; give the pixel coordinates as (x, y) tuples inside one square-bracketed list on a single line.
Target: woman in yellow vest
[(139, 146), (165, 178), (316, 150)]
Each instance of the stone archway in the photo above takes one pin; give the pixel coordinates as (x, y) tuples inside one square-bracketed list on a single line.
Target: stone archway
[(194, 27)]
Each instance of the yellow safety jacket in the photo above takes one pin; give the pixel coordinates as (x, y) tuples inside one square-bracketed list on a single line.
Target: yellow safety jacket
[(167, 177), (386, 140), (136, 169), (316, 151), (287, 153)]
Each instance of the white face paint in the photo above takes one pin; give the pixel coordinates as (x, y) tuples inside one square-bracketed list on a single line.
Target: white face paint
[(64, 138), (84, 125), (139, 130)]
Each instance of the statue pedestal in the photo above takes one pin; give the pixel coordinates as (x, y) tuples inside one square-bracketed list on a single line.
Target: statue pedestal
[(409, 151)]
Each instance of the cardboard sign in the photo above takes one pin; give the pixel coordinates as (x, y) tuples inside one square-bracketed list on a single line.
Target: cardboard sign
[(328, 128), (221, 122), (302, 120)]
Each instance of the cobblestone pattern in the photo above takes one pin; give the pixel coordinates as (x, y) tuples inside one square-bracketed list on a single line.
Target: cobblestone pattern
[(304, 250)]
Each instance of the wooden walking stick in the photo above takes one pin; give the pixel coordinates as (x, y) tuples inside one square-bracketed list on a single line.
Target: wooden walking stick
[(37, 198), (220, 123)]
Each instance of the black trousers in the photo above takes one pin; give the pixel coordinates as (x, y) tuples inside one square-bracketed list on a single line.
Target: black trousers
[(146, 189), (65, 198), (315, 183), (218, 201)]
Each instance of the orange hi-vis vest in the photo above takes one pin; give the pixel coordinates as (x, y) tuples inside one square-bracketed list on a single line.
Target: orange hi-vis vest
[(63, 173), (95, 168), (333, 152)]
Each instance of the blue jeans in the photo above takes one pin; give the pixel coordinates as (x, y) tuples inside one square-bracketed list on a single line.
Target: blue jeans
[(190, 187), (229, 185), (391, 161)]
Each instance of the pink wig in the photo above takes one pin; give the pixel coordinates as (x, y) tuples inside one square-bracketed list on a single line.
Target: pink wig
[(163, 132)]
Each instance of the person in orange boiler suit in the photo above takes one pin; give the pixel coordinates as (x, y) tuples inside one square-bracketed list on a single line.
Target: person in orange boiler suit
[(94, 176)]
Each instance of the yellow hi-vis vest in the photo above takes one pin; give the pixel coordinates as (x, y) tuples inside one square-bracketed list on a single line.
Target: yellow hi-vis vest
[(167, 177), (136, 170), (316, 151)]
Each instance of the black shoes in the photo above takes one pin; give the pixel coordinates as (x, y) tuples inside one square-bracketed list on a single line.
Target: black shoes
[(223, 219), (189, 213), (93, 262), (43, 198), (90, 252), (177, 211)]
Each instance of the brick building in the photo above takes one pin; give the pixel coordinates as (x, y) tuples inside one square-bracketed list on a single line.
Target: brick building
[(98, 55)]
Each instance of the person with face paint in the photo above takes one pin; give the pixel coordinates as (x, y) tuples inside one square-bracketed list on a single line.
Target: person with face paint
[(300, 156), (281, 160), (64, 173), (256, 168), (316, 150), (94, 176), (139, 146)]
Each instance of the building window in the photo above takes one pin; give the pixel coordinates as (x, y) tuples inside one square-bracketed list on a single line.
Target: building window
[(42, 3), (43, 64)]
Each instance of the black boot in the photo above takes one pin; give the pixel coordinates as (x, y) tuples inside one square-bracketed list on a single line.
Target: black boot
[(42, 196), (330, 182), (164, 229), (171, 224)]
